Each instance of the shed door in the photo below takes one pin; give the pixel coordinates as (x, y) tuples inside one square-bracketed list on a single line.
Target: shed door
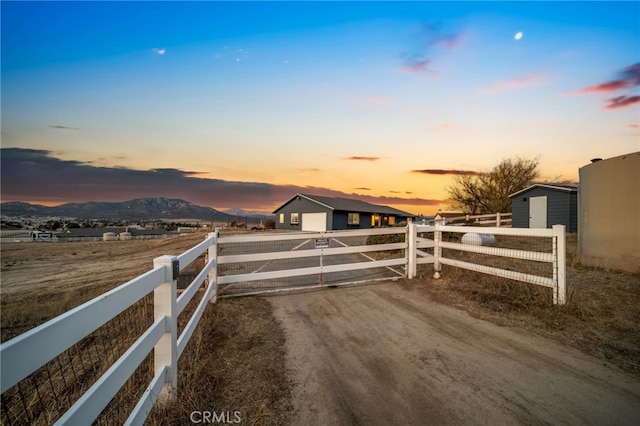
[(314, 222), (538, 212)]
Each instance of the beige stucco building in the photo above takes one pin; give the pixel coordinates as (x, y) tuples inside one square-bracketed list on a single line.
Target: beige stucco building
[(609, 213)]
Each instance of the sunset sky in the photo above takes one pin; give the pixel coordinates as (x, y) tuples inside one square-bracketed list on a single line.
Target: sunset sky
[(244, 104)]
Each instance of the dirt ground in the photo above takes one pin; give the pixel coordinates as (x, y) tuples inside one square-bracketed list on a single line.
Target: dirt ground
[(456, 350), (52, 278), (387, 354)]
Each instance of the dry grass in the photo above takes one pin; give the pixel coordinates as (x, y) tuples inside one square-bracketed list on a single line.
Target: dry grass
[(235, 360), (233, 363), (601, 317)]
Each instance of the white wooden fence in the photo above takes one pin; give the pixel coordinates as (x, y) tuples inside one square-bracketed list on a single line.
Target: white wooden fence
[(268, 262), (26, 353), (498, 219), (555, 256)]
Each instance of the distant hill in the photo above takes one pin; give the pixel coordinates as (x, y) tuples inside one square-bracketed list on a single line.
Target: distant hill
[(138, 209), (237, 212)]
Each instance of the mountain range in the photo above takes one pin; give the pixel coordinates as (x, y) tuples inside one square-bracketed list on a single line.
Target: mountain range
[(138, 209)]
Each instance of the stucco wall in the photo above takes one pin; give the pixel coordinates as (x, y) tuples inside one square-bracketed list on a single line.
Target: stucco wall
[(609, 213)]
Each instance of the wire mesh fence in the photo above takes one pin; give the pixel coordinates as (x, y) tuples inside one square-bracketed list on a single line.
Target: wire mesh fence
[(45, 395), (312, 261), (251, 264), (499, 250)]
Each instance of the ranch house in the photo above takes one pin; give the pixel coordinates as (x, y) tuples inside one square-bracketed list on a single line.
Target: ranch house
[(314, 213)]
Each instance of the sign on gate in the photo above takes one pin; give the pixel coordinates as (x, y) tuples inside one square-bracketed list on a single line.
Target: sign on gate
[(322, 243)]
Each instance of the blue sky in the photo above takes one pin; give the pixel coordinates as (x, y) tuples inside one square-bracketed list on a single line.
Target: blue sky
[(243, 104)]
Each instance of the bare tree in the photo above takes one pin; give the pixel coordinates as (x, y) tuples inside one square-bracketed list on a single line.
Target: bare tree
[(489, 192)]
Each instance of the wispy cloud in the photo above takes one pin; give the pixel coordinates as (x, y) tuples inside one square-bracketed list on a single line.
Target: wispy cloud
[(58, 127), (634, 125), (622, 101), (360, 158), (160, 50), (415, 66), (628, 78), (429, 38), (362, 189), (515, 83), (37, 175), (447, 172), (308, 170)]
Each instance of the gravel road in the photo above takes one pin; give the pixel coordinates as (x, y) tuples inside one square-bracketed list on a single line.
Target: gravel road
[(387, 354)]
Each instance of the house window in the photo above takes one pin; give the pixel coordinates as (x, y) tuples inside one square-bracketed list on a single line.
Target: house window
[(281, 218), (392, 220), (353, 219), (295, 219)]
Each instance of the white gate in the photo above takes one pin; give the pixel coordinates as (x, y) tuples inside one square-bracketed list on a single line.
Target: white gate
[(250, 264)]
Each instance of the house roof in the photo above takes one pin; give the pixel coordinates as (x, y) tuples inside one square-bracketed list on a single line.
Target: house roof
[(554, 186), (348, 204)]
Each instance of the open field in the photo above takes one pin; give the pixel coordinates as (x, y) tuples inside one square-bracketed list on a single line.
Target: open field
[(43, 280), (252, 354)]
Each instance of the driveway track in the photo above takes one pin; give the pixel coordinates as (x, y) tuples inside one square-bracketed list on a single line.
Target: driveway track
[(387, 354)]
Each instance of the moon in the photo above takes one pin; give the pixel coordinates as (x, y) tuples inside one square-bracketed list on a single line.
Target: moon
[(518, 35)]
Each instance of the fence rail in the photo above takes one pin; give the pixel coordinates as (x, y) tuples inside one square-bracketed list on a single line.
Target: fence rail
[(26, 353), (251, 258), (499, 219), (264, 263), (554, 254)]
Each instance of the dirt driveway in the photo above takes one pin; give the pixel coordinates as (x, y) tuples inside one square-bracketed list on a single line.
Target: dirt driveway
[(387, 354)]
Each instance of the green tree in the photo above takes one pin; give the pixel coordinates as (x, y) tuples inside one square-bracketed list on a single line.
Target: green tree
[(489, 192)]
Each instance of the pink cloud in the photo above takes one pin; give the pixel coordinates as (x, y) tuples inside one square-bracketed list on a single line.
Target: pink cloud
[(629, 77), (361, 158), (609, 86), (415, 66), (58, 127), (513, 84), (622, 101), (429, 39)]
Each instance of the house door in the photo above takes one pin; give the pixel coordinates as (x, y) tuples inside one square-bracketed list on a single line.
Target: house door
[(538, 212), (314, 222)]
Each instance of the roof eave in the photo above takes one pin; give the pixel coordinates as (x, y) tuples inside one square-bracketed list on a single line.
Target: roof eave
[(542, 185)]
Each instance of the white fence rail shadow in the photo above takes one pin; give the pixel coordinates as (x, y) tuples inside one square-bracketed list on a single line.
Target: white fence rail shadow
[(26, 353)]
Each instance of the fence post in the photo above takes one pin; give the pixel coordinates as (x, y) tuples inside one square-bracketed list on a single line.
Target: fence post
[(412, 234), (498, 220), (560, 264), (212, 256), (165, 353), (437, 251)]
